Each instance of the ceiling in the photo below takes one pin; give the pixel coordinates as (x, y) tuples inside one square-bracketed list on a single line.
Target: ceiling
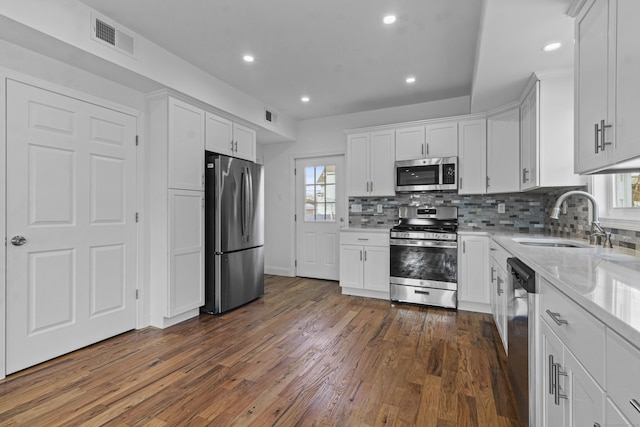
[(341, 55)]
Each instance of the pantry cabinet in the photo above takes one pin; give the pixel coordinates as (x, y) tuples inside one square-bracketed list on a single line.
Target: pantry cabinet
[(473, 273), (364, 263), (229, 138), (438, 139), (176, 214), (472, 150), (503, 151), (370, 164), (607, 63)]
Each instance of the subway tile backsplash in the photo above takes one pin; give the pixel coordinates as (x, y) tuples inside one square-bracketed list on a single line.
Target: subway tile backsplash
[(523, 213)]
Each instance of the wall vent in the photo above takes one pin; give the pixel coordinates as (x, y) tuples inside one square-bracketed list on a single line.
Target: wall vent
[(269, 116), (104, 31)]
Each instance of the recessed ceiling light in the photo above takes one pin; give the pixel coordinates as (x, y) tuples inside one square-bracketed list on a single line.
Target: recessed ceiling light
[(389, 19), (248, 58), (552, 46), (410, 79), (305, 99)]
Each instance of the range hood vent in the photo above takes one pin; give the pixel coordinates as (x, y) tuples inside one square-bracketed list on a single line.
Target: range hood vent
[(104, 31)]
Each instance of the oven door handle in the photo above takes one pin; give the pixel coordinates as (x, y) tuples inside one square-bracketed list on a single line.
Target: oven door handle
[(423, 243)]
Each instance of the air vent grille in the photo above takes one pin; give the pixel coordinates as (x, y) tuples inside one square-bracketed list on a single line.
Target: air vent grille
[(105, 32), (269, 116)]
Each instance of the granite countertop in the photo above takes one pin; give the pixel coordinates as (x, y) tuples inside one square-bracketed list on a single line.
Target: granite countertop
[(606, 282)]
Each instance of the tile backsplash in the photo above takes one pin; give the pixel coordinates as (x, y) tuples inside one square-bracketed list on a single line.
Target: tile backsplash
[(523, 213)]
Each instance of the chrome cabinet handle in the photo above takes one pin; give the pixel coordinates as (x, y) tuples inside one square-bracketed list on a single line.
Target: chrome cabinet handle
[(422, 149), (603, 142), (635, 404), (524, 175), (372, 186), (460, 185), (488, 182), (427, 144), (558, 394), (597, 132), (500, 290), (556, 318), (236, 147), (552, 377), (363, 239), (493, 272), (365, 256), (360, 255), (18, 240)]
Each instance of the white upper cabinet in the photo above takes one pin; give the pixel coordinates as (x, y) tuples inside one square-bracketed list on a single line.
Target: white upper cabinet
[(438, 139), (607, 87), (441, 139), (410, 143), (546, 133), (231, 139), (186, 146), (472, 149), (503, 152), (370, 159)]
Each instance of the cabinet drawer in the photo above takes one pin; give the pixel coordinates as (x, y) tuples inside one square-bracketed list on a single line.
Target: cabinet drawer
[(370, 239), (582, 333), (499, 254), (623, 372)]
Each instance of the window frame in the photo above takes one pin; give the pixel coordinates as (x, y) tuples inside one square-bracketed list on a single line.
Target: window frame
[(610, 216)]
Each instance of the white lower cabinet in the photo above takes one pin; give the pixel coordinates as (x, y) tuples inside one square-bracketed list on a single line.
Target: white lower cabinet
[(473, 273), (364, 264), (498, 291), (623, 377)]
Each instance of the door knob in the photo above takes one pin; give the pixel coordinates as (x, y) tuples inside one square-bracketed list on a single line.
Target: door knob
[(18, 240)]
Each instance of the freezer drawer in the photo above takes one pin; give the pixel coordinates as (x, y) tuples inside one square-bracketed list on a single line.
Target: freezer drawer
[(238, 278), (419, 295)]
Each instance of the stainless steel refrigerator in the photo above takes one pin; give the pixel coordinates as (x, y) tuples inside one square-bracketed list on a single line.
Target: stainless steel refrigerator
[(234, 232)]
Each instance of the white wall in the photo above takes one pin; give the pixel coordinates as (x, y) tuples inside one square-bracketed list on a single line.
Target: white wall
[(320, 137)]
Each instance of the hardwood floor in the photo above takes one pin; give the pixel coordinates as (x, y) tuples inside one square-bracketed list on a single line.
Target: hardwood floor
[(302, 355)]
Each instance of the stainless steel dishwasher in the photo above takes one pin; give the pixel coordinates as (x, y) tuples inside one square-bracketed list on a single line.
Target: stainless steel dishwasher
[(521, 335)]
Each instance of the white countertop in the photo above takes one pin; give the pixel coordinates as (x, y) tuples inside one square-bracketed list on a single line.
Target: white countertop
[(366, 229), (606, 282)]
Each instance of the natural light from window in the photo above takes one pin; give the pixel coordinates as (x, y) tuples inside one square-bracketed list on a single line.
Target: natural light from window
[(626, 190), (320, 193)]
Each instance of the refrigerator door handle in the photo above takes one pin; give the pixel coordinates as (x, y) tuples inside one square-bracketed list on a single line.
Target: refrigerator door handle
[(250, 212), (243, 195)]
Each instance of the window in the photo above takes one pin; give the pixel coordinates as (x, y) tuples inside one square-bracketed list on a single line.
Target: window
[(626, 190), (320, 193)]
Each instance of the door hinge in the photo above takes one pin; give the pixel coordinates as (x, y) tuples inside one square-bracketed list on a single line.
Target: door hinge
[(137, 141), (137, 294), (137, 217)]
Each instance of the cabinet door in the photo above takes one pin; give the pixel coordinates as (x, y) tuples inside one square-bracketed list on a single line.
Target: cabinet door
[(553, 414), (614, 417), (502, 299), (244, 142), (591, 69), (358, 165), (410, 143), (503, 152), (472, 151), (529, 140), (473, 269), (586, 399), (441, 139), (627, 56), (219, 134), (351, 266), (376, 268), (186, 146), (186, 251), (382, 158)]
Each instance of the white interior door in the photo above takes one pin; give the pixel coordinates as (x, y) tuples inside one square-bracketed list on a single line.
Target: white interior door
[(319, 216), (71, 193)]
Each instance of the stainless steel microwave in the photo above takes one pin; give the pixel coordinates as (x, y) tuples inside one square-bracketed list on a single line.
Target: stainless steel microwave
[(427, 175)]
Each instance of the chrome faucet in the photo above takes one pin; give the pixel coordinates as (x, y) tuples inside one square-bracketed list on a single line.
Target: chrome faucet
[(597, 232)]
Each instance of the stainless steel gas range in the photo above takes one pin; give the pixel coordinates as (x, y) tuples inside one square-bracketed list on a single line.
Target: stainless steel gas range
[(424, 256)]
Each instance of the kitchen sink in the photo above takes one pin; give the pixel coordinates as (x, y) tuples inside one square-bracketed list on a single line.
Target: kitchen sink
[(551, 243)]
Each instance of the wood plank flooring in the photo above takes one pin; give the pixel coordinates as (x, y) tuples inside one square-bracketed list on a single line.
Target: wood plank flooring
[(303, 355)]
